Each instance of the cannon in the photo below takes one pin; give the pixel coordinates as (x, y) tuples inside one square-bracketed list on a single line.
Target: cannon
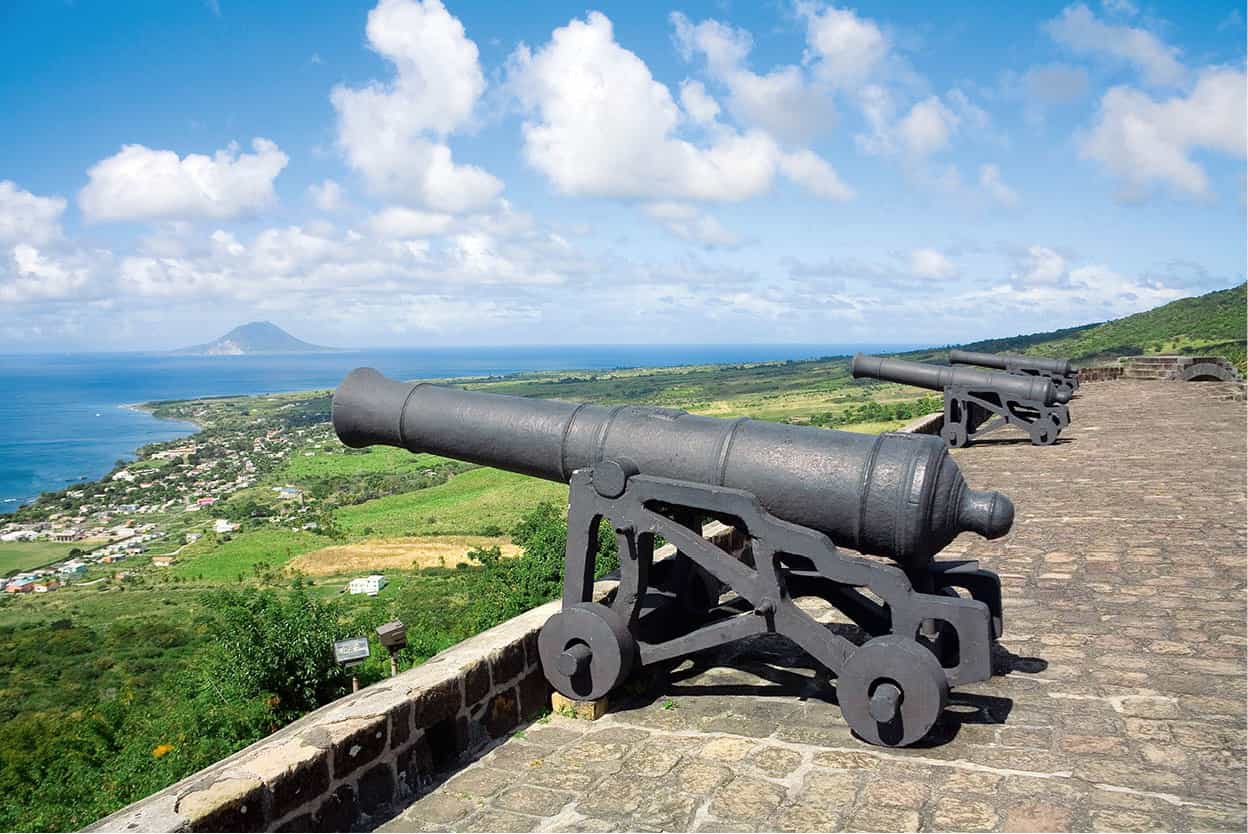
[(794, 492), (979, 402), (1060, 371)]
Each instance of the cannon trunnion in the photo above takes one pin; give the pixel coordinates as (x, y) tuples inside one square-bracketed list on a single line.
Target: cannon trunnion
[(795, 493), (979, 402), (1059, 371)]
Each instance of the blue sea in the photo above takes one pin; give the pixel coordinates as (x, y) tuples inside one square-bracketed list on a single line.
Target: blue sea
[(63, 417)]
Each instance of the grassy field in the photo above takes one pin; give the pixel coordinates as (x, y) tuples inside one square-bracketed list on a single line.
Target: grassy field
[(210, 560), (338, 462), (404, 554), (482, 502), (19, 556)]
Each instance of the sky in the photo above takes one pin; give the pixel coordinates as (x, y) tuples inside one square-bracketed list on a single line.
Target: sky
[(413, 174)]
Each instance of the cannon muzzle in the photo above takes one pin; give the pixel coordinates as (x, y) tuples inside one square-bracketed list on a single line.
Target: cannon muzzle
[(895, 495), (940, 377)]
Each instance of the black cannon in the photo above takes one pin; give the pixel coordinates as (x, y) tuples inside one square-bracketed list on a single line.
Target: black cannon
[(795, 492), (973, 397), (1060, 371)]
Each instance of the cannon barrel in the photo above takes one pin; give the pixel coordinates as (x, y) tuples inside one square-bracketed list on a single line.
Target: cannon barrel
[(939, 377), (1001, 361), (896, 495)]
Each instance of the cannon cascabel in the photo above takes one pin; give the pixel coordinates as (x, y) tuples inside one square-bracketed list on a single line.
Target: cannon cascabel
[(896, 495)]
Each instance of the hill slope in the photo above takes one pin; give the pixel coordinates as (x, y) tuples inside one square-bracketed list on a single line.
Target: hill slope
[(1213, 323), (253, 337)]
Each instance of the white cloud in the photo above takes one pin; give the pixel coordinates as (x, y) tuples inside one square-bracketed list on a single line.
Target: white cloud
[(844, 48), (28, 218), (781, 102), (601, 125), (690, 223), (394, 133), (698, 103), (1143, 141), (326, 195), (139, 183), (1040, 267), (399, 222), (1080, 30), (929, 263), (812, 172), (927, 128), (28, 274), (990, 181)]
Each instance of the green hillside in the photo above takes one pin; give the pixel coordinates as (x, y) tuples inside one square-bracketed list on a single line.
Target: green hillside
[(1208, 324)]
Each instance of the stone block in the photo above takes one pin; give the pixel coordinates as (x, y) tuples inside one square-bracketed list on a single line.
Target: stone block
[(376, 788), (400, 725), (414, 763), (534, 694), (225, 805), (356, 742), (507, 662), (585, 710), (336, 811), (438, 703), (476, 682), (295, 774), (502, 715)]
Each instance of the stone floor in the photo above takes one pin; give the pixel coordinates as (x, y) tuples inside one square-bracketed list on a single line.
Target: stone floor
[(1120, 703)]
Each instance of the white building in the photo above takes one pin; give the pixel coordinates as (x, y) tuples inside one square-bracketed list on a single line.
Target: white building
[(370, 585), (223, 525)]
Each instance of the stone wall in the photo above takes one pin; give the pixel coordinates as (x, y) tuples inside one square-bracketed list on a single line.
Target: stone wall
[(1100, 373), (360, 758)]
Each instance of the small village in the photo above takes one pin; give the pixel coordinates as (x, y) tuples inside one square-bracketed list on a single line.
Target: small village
[(171, 496)]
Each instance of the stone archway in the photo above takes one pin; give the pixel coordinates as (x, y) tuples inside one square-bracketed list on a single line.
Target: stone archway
[(1207, 372)]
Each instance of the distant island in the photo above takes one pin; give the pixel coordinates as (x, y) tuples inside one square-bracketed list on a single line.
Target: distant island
[(253, 338)]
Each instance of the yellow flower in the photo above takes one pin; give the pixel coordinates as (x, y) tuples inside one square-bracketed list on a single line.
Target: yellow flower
[(161, 750)]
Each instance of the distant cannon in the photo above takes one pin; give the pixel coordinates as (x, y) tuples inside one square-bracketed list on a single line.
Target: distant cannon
[(973, 397), (1060, 371), (794, 491)]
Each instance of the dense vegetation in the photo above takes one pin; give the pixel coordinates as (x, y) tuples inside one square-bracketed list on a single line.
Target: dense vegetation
[(176, 680), (1213, 324)]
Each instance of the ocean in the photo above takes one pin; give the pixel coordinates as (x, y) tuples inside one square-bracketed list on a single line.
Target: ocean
[(63, 417)]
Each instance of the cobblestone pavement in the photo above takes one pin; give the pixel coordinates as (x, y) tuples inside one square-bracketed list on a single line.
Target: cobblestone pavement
[(1120, 704)]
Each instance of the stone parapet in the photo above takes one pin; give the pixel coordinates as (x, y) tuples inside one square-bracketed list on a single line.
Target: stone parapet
[(354, 761)]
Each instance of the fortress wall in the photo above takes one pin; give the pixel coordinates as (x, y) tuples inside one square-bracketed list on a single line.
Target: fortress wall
[(355, 761)]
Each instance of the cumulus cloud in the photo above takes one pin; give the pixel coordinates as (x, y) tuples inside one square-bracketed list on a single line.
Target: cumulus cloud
[(690, 223), (326, 195), (1039, 267), (927, 127), (394, 133), (33, 275), (1145, 141), (1080, 30), (140, 183), (930, 263), (28, 218), (782, 102), (844, 49), (600, 125), (992, 184), (400, 222)]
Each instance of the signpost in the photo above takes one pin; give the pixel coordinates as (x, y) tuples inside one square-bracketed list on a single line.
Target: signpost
[(351, 653), (393, 637)]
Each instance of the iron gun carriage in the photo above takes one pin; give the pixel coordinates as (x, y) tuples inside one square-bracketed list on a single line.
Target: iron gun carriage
[(795, 492), (1060, 371), (979, 402)]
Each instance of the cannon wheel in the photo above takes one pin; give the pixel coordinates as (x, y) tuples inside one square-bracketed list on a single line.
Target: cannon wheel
[(891, 691), (586, 651)]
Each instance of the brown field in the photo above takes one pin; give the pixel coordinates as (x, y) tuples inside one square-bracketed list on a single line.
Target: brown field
[(395, 554)]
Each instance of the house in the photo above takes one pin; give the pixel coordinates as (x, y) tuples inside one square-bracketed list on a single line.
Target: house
[(206, 501), (20, 536), (113, 557), (288, 493), (123, 475), (71, 534), (20, 587), (222, 525), (370, 585), (191, 538), (44, 587), (162, 561), (72, 568)]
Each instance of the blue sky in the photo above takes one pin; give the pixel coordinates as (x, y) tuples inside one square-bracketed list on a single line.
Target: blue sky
[(408, 173)]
